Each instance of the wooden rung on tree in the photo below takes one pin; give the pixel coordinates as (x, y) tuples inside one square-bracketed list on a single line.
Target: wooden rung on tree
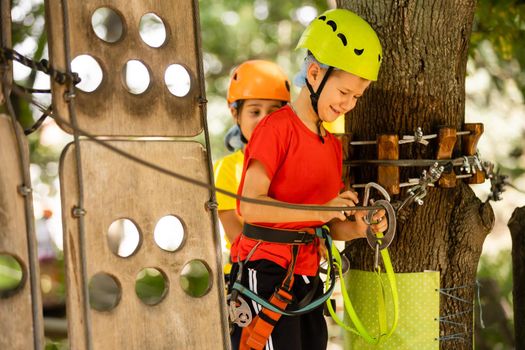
[(446, 141), (470, 147), (388, 148)]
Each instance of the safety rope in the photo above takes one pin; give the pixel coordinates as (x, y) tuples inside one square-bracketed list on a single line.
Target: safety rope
[(39, 122), (182, 177), (70, 79), (414, 162), (418, 137), (25, 191), (212, 203), (42, 66), (449, 319)]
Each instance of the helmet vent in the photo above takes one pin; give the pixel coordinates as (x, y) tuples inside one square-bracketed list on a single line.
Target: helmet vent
[(343, 38), (235, 76), (322, 18), (359, 52), (333, 25), (378, 58), (287, 85)]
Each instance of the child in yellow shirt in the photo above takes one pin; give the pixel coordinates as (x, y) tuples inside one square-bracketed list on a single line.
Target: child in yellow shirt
[(256, 89)]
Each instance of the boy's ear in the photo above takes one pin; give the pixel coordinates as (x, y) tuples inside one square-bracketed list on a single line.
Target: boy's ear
[(234, 113), (312, 72)]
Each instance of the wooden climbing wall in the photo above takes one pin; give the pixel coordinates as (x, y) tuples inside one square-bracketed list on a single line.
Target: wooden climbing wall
[(111, 109), (21, 329), (117, 188), (120, 188)]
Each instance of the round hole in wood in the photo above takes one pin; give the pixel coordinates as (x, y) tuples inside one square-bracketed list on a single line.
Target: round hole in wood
[(169, 233), (195, 278), (107, 24), (12, 276), (151, 285), (89, 71), (104, 292), (136, 77), (177, 80), (152, 30), (123, 237)]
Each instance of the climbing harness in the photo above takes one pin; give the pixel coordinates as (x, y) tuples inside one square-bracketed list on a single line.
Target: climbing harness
[(301, 237), (282, 301)]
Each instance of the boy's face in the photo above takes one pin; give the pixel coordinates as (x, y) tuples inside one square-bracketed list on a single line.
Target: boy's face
[(340, 93), (251, 113)]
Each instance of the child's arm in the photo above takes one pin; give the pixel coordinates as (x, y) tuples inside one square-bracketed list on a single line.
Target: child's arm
[(232, 224), (256, 185), (349, 230)]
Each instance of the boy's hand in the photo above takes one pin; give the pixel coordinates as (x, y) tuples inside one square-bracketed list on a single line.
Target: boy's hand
[(379, 222), (344, 199)]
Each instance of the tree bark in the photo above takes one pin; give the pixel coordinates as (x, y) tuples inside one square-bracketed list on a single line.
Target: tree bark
[(517, 230), (422, 84)]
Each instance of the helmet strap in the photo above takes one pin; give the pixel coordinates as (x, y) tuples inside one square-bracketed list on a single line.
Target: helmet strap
[(315, 95), (243, 139), (319, 123)]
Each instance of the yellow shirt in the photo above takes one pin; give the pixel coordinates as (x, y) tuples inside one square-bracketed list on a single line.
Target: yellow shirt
[(337, 126), (227, 172)]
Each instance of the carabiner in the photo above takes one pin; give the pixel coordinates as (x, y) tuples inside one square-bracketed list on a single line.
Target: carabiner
[(373, 240)]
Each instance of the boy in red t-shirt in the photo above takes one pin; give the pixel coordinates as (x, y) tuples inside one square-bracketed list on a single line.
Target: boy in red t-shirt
[(291, 159)]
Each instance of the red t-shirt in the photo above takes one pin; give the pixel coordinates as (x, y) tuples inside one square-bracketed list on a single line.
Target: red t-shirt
[(302, 170)]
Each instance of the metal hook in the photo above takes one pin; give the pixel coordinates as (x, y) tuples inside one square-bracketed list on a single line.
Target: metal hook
[(378, 187), (373, 240)]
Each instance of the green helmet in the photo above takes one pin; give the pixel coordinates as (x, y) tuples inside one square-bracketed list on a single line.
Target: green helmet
[(341, 39)]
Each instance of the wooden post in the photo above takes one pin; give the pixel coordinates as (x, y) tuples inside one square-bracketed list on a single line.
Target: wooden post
[(388, 148), (5, 41), (516, 226), (446, 141), (347, 155), (21, 305), (470, 147)]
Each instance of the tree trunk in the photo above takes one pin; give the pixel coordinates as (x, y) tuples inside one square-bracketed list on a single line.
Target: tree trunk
[(422, 84), (517, 230)]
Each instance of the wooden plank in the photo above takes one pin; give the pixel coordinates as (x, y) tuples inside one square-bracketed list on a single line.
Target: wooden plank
[(446, 140), (5, 41), (111, 109), (388, 176), (119, 188), (470, 147), (16, 318), (516, 226)]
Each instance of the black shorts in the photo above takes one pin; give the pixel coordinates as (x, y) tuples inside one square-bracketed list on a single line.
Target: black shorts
[(305, 332)]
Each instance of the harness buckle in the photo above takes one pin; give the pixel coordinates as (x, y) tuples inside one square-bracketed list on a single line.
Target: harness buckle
[(305, 237)]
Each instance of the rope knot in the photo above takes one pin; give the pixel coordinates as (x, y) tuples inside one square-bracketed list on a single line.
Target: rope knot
[(43, 65), (212, 205), (418, 137)]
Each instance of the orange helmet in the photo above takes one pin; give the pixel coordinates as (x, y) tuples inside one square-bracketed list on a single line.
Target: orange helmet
[(258, 79)]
